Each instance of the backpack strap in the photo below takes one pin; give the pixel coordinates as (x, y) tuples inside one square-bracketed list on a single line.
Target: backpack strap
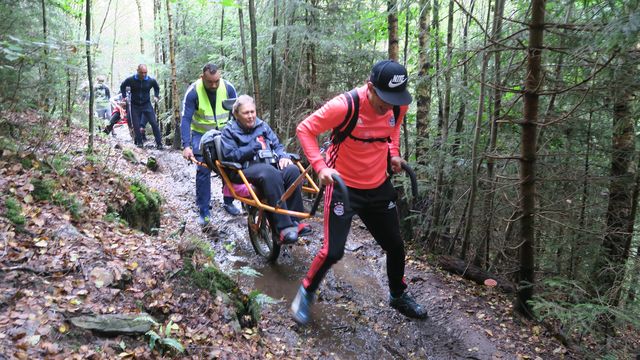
[(345, 128)]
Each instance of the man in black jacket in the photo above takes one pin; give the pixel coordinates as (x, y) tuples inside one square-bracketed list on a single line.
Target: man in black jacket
[(141, 108)]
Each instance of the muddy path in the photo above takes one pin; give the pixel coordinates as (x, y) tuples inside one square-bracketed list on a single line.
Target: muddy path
[(351, 319)]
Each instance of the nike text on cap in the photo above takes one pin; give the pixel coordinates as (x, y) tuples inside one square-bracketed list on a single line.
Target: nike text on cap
[(390, 81)]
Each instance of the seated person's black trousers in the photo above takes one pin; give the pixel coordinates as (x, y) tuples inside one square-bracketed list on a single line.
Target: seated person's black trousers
[(272, 183)]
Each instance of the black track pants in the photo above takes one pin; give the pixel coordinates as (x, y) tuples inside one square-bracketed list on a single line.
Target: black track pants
[(377, 209)]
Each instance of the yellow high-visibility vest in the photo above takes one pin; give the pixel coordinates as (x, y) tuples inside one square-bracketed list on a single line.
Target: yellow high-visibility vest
[(204, 118)]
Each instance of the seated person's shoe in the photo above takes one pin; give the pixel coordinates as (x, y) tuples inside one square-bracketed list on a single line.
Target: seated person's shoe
[(288, 235), (301, 306), (304, 229), (231, 209), (407, 306)]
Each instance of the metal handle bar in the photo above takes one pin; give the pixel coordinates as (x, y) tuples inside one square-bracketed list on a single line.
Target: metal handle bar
[(412, 176)]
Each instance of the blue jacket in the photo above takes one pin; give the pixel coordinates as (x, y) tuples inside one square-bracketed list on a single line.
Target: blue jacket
[(189, 106), (240, 145), (140, 89)]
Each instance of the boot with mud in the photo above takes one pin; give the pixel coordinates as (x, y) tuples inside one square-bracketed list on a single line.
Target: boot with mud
[(407, 306), (301, 306)]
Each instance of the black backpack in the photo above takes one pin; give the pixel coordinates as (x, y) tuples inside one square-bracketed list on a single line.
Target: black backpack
[(349, 123)]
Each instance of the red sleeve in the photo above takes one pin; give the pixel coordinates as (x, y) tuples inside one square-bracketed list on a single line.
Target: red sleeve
[(329, 116), (394, 146)]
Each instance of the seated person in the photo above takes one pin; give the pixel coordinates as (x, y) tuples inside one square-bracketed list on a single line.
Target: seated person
[(243, 141), (119, 113)]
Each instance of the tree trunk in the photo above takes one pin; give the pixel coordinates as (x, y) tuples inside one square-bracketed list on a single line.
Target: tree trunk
[(44, 37), (254, 55), (222, 35), (617, 238), (177, 139), (493, 131), (141, 27), (466, 237), (423, 86), (113, 45), (392, 27), (89, 73), (438, 223), (274, 69), (405, 126), (533, 86), (245, 68)]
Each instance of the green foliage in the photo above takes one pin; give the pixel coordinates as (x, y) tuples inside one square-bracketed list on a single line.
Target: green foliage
[(43, 189), (13, 211), (130, 156), (578, 312), (59, 164), (144, 211), (69, 202), (163, 340), (113, 216)]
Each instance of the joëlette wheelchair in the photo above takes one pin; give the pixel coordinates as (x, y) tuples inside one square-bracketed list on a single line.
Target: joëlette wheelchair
[(263, 235)]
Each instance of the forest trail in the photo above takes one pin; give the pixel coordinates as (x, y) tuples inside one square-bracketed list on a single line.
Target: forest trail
[(351, 319), (53, 270)]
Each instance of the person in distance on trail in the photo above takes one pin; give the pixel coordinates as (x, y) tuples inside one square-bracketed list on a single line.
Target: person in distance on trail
[(251, 142), (202, 111), (102, 95), (141, 108), (363, 157)]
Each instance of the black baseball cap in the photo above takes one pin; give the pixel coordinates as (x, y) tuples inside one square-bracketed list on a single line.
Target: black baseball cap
[(390, 80)]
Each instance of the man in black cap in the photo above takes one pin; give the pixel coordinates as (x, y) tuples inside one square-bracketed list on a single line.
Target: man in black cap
[(365, 149)]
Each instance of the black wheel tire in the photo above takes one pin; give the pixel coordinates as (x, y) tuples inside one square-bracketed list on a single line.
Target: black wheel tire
[(265, 239)]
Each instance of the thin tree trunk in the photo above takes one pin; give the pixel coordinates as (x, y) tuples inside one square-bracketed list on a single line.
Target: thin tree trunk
[(89, 73), (104, 20), (423, 86), (141, 27), (392, 27), (533, 84), (493, 130), (113, 45), (405, 131), (441, 206), (583, 201), (274, 70), (285, 125), (466, 237), (245, 68), (44, 37), (254, 55), (177, 139), (222, 34)]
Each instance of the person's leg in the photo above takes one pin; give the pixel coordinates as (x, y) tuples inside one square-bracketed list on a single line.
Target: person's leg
[(115, 117), (151, 116), (337, 222), (203, 180), (289, 176), (269, 180), (227, 205), (381, 219), (136, 114)]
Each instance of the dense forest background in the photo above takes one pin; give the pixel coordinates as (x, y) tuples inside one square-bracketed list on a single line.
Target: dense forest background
[(522, 133)]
